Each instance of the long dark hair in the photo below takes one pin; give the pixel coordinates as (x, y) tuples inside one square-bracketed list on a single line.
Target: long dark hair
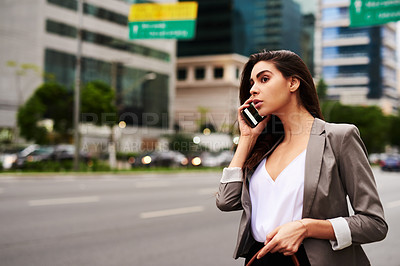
[(290, 65)]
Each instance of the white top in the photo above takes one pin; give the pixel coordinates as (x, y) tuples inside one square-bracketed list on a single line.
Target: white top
[(275, 203), (339, 224)]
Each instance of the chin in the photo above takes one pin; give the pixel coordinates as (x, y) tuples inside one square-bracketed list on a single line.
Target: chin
[(262, 113)]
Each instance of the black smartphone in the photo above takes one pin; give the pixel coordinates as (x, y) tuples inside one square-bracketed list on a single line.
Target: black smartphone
[(251, 116)]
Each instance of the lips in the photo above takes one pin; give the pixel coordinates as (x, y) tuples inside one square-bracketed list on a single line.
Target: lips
[(257, 103)]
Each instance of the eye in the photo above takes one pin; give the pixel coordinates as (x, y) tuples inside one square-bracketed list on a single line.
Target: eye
[(264, 79)]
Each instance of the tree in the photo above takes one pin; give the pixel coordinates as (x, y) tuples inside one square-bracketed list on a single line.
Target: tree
[(97, 104), (50, 101), (370, 120), (394, 130), (54, 102), (321, 90)]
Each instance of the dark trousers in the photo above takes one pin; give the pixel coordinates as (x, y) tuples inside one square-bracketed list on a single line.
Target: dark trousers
[(276, 259)]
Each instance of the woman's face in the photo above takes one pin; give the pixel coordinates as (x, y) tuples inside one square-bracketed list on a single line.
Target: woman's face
[(270, 90)]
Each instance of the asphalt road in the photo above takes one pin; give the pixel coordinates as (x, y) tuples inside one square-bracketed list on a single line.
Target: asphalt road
[(142, 220)]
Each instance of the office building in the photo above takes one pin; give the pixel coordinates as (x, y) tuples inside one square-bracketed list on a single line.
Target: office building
[(207, 92), (278, 25), (244, 27), (43, 33), (209, 66), (358, 64)]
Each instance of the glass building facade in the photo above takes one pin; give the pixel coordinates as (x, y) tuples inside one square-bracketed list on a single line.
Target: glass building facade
[(279, 22), (140, 101), (244, 27), (361, 58)]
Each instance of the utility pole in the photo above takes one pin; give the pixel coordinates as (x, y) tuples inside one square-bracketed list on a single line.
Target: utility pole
[(77, 99)]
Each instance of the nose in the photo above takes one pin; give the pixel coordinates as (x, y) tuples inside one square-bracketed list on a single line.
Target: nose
[(254, 91)]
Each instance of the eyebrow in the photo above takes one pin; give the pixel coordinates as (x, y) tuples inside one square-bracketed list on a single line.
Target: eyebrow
[(260, 73)]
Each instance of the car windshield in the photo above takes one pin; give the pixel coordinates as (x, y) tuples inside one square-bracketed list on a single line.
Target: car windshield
[(42, 150)]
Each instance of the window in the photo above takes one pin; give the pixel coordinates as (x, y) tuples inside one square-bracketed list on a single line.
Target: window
[(345, 71), (200, 73), (343, 32), (335, 13), (344, 51), (61, 29), (134, 94), (218, 72), (104, 40), (182, 74), (92, 10)]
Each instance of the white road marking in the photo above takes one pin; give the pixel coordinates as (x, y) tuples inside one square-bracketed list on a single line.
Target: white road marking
[(170, 212), (66, 179), (393, 204), (60, 201), (152, 184), (208, 191)]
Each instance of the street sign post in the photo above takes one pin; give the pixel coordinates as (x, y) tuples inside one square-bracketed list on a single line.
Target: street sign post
[(163, 21), (373, 12)]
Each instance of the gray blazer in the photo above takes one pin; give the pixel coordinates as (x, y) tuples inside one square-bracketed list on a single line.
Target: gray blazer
[(336, 166)]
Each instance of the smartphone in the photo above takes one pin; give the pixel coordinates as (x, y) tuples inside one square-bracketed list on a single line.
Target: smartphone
[(251, 116)]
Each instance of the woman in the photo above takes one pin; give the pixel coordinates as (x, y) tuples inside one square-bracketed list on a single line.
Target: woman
[(291, 174)]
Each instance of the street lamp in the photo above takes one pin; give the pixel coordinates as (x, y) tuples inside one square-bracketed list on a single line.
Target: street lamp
[(77, 99)]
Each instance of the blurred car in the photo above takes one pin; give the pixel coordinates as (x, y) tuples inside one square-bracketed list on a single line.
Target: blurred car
[(64, 152), (8, 157), (376, 158), (210, 159), (39, 153), (164, 158), (33, 153), (391, 163)]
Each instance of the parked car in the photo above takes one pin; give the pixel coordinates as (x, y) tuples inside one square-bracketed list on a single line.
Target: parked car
[(376, 158), (8, 157), (64, 152), (164, 158), (39, 153), (33, 153), (391, 163)]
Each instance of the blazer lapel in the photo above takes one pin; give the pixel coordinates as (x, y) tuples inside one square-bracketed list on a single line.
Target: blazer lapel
[(315, 150)]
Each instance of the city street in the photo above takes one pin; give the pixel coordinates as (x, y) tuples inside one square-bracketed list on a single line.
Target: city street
[(137, 219)]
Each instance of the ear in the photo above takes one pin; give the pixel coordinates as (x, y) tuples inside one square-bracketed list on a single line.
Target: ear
[(294, 84)]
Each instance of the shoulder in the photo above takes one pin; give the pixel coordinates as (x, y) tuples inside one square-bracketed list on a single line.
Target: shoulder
[(338, 134), (340, 130)]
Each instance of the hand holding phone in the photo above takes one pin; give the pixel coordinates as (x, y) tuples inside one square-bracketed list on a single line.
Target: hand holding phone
[(251, 116)]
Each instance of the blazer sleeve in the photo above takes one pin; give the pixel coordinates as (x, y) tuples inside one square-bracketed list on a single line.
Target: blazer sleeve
[(229, 195), (367, 224)]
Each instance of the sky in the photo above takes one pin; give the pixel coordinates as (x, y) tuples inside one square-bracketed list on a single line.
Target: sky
[(307, 6)]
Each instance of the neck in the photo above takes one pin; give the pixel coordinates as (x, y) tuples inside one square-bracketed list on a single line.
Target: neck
[(296, 123)]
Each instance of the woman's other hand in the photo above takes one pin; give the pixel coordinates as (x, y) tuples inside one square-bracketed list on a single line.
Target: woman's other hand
[(285, 239)]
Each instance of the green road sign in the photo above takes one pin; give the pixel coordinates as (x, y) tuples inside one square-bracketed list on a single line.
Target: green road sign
[(373, 12), (163, 21), (170, 29)]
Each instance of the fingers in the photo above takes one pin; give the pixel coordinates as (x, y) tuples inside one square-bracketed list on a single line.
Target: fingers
[(245, 104), (271, 235), (262, 252)]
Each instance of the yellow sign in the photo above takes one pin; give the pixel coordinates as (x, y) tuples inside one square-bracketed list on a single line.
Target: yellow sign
[(159, 12)]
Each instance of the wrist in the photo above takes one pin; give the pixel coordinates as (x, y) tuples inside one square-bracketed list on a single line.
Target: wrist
[(243, 149), (247, 140), (303, 224)]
